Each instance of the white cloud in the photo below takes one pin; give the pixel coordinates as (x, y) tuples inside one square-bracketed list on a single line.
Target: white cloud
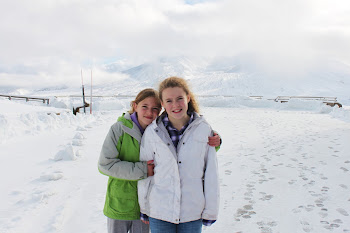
[(277, 35)]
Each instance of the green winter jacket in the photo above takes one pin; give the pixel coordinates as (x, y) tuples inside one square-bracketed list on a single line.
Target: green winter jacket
[(119, 159)]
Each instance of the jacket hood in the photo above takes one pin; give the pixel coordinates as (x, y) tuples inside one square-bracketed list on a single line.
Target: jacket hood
[(130, 127)]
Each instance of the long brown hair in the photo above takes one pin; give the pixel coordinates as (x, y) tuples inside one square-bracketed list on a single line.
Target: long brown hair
[(179, 82), (145, 93)]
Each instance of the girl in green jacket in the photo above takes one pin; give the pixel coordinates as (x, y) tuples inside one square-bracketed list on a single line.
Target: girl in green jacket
[(119, 159)]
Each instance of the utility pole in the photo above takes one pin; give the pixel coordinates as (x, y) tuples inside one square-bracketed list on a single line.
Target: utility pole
[(91, 94)]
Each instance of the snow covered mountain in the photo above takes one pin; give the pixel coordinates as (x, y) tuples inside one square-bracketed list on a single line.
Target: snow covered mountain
[(210, 76), (233, 76)]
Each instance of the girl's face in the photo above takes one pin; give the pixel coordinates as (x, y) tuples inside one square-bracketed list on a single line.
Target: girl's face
[(175, 102), (147, 110)]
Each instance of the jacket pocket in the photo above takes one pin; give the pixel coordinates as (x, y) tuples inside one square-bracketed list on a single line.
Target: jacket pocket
[(193, 200), (199, 147), (193, 159), (123, 196)]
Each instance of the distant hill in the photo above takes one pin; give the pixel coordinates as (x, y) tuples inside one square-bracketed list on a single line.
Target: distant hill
[(208, 76)]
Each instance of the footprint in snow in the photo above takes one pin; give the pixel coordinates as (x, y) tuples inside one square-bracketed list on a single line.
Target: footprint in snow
[(311, 183), (266, 197), (266, 227), (331, 226), (309, 208), (322, 163), (36, 197), (248, 207), (323, 213), (246, 212), (342, 211), (338, 221), (292, 182), (52, 176), (227, 164), (306, 226), (298, 210)]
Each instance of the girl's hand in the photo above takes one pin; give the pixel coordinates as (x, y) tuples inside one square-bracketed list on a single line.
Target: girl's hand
[(214, 140), (145, 222), (150, 169)]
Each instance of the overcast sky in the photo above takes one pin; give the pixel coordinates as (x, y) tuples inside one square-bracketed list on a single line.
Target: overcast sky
[(54, 37)]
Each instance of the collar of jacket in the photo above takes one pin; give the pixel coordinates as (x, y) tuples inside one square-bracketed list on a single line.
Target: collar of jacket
[(130, 127), (196, 117), (162, 132)]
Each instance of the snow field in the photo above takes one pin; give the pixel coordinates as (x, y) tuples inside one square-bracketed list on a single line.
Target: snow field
[(43, 190), (281, 170)]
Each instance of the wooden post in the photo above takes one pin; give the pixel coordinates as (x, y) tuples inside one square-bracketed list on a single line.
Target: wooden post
[(82, 87)]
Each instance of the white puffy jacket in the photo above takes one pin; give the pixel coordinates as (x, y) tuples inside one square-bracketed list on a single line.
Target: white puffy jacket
[(185, 184)]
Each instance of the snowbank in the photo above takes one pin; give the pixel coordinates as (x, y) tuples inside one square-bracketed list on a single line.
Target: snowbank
[(341, 113), (291, 105), (98, 104), (27, 119)]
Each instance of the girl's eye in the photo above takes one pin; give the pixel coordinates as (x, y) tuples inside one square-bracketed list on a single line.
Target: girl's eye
[(144, 107)]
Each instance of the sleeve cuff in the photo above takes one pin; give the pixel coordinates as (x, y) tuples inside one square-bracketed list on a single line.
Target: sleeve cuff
[(144, 217), (208, 222)]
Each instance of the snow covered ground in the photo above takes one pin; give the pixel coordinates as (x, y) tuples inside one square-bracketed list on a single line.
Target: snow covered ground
[(283, 167)]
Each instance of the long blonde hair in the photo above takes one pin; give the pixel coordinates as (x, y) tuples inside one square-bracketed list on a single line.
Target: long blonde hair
[(179, 82), (145, 93)]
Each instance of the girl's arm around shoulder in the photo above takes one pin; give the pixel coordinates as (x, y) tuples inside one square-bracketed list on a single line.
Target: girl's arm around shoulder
[(143, 186), (109, 164), (215, 140)]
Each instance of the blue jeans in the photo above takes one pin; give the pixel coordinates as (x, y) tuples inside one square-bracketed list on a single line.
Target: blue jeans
[(159, 226)]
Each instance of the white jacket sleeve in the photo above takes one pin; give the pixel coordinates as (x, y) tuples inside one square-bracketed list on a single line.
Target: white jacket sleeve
[(211, 186), (143, 186)]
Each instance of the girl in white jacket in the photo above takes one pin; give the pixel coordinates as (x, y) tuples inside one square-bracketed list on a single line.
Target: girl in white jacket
[(183, 194)]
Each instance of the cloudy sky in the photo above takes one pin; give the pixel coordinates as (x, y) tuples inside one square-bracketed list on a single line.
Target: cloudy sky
[(55, 38)]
